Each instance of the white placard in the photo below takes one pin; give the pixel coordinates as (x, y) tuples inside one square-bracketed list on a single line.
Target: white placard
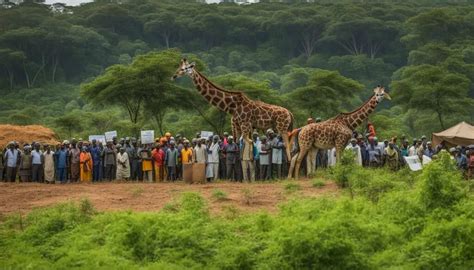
[(109, 135), (426, 160), (98, 138), (147, 136), (206, 134), (414, 163)]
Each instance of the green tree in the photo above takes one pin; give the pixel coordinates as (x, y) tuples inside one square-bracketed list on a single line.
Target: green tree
[(432, 88)]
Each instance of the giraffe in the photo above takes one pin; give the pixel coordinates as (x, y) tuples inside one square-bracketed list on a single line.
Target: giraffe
[(334, 132), (246, 114)]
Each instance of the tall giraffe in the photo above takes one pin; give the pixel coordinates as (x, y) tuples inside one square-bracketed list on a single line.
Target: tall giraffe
[(334, 132), (246, 114)]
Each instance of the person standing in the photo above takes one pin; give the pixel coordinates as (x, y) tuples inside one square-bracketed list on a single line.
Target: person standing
[(110, 161), (171, 161), (412, 149), (74, 160), (247, 160), (375, 153), (12, 158), (86, 165), (392, 156), (2, 163), (186, 153), (158, 156), (147, 165), (264, 150), (48, 164), (200, 152), (429, 151), (131, 149), (37, 164), (277, 154), (25, 164), (96, 154), (232, 153), (356, 150), (256, 151), (123, 165), (212, 170), (62, 163)]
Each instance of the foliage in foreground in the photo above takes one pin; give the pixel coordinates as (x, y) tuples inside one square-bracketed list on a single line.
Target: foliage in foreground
[(427, 223)]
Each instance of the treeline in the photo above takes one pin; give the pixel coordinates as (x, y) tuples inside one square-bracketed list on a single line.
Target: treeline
[(422, 51)]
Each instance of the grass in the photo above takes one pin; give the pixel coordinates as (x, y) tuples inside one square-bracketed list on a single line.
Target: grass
[(291, 187), (318, 183), (137, 192), (219, 195), (248, 196)]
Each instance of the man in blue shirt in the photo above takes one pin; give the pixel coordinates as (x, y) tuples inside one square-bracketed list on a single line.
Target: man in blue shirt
[(96, 154), (37, 164), (12, 158), (61, 163)]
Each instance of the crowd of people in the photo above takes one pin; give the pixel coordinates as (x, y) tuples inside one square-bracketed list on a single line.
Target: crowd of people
[(225, 158)]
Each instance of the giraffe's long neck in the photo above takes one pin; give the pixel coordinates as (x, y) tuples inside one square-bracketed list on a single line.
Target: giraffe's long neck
[(213, 94), (355, 118)]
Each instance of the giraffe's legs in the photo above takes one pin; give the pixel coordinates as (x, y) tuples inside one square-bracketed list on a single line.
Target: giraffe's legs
[(235, 129), (286, 141), (303, 150), (292, 165)]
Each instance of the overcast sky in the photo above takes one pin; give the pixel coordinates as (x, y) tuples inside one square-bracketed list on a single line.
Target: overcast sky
[(68, 2)]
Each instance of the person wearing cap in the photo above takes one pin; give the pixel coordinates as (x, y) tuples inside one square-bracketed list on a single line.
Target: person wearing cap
[(256, 152), (212, 169), (264, 150), (158, 156), (12, 160), (375, 153), (86, 165), (355, 148), (461, 159), (37, 164), (48, 164), (74, 160), (25, 164), (200, 152), (391, 156), (424, 141), (246, 150), (186, 153), (96, 154), (232, 153), (277, 154), (147, 165), (123, 164), (429, 151), (110, 161), (61, 158), (171, 161)]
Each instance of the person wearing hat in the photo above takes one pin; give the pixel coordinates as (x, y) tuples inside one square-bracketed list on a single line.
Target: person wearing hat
[(429, 151), (232, 155), (264, 150), (356, 150), (110, 161), (25, 164), (158, 156), (61, 158), (74, 160), (200, 152), (123, 164), (424, 141), (147, 164), (248, 169), (392, 158), (212, 169), (48, 164), (186, 153), (171, 161), (375, 153), (12, 160), (37, 163), (86, 165)]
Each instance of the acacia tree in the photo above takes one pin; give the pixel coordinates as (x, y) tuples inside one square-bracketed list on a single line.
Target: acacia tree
[(433, 88)]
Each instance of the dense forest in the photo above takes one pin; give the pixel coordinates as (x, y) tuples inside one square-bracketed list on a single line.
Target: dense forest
[(107, 66)]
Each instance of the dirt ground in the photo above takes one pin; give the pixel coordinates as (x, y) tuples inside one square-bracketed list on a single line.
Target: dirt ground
[(23, 197)]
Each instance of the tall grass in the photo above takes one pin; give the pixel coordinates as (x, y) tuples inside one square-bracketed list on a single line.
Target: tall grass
[(390, 222)]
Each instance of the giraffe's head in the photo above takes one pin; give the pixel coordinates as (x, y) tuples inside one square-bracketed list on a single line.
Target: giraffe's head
[(184, 68), (380, 94)]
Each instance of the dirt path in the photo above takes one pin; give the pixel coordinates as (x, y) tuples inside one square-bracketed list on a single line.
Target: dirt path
[(22, 198)]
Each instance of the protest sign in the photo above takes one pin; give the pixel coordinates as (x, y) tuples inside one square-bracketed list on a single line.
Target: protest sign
[(98, 138), (147, 136), (206, 134), (109, 135), (413, 163)]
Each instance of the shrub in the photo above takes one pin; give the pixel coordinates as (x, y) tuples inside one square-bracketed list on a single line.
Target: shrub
[(292, 187), (344, 168), (318, 183)]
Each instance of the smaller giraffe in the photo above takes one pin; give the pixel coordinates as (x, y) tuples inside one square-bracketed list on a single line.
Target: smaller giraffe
[(334, 132)]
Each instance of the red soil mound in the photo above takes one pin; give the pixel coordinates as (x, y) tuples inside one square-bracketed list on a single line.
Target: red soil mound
[(26, 134)]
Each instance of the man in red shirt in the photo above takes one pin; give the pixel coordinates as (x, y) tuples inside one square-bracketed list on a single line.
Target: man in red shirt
[(158, 156)]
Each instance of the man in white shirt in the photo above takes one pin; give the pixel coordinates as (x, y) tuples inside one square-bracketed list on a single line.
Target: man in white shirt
[(212, 170), (356, 149), (12, 158), (37, 164)]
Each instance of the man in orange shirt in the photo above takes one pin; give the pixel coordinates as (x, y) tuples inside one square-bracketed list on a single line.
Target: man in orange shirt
[(158, 156), (186, 153)]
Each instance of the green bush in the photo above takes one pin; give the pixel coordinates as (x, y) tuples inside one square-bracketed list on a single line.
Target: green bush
[(219, 195), (387, 224), (344, 168), (318, 183)]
